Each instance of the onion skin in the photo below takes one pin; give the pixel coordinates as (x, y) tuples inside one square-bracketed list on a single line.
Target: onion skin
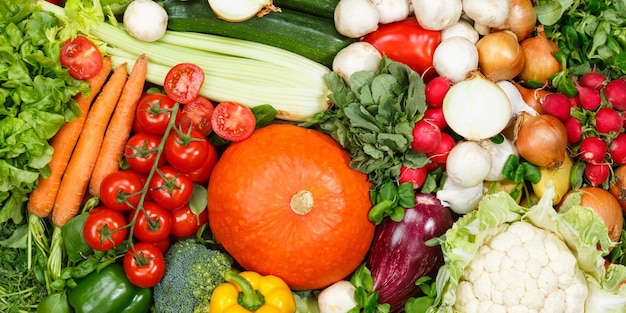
[(533, 97), (398, 255), (541, 139), (605, 205), (500, 56), (539, 61), (522, 18)]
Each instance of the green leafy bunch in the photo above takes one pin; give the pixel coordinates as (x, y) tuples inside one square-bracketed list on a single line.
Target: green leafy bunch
[(373, 118)]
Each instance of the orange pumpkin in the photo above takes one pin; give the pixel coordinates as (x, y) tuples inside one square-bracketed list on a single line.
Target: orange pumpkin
[(285, 202)]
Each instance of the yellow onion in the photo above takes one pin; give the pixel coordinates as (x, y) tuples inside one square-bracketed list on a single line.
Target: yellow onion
[(500, 55), (532, 96), (539, 61), (541, 139), (604, 204), (522, 18)]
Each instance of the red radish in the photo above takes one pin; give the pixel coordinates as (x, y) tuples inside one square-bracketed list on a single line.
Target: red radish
[(615, 92), (416, 176), (436, 90), (435, 115), (589, 98), (597, 173), (592, 149), (593, 80), (574, 130), (557, 105), (574, 101), (617, 149), (440, 154), (608, 120), (426, 136)]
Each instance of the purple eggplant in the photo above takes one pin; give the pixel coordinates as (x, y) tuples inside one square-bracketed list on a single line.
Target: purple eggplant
[(398, 255)]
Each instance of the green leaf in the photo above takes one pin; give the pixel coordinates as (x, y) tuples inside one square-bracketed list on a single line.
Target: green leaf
[(56, 302), (264, 114), (198, 201), (18, 239)]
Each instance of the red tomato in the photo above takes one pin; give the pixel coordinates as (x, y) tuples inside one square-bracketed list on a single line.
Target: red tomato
[(121, 190), (201, 175), (407, 42), (141, 150), (186, 152), (103, 229), (183, 81), (82, 57), (145, 265), (196, 113), (233, 121), (153, 113), (170, 188), (186, 223), (157, 227)]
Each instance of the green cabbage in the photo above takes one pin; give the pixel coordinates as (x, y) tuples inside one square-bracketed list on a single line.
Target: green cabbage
[(582, 230)]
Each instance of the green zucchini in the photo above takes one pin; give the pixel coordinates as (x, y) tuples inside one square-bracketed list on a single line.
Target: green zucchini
[(323, 8), (311, 36)]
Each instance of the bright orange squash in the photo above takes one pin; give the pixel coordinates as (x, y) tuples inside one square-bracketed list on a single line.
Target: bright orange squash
[(285, 202)]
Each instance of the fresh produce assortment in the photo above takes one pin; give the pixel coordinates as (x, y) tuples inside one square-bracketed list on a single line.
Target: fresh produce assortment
[(313, 156)]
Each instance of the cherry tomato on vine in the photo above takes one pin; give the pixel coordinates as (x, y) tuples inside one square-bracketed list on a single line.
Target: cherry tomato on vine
[(170, 188), (183, 81), (201, 175), (233, 121), (187, 223), (82, 57), (409, 43), (163, 245), (145, 265), (154, 224), (121, 190), (186, 152), (197, 114), (104, 229), (153, 113), (141, 150)]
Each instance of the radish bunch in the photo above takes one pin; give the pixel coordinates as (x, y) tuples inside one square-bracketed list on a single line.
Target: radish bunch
[(595, 121)]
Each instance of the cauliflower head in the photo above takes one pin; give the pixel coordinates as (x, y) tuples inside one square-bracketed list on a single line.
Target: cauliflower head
[(522, 268), (502, 257)]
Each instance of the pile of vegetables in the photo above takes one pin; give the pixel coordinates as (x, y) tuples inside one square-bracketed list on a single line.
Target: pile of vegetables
[(314, 156)]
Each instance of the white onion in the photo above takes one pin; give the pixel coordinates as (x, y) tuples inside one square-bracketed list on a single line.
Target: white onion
[(468, 164), (241, 10), (437, 15), (491, 13), (145, 20), (461, 28), (392, 10), (356, 18), (518, 105), (358, 56), (499, 154), (476, 108), (455, 58), (460, 200)]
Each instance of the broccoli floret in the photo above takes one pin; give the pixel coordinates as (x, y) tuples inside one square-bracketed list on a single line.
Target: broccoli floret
[(192, 271)]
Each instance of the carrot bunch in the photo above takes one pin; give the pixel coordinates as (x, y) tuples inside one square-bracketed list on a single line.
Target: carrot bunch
[(90, 147)]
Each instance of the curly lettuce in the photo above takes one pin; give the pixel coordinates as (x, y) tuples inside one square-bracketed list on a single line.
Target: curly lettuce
[(580, 228), (36, 99)]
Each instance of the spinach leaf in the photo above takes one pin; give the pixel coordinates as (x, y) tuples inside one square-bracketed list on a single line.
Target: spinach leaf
[(373, 117)]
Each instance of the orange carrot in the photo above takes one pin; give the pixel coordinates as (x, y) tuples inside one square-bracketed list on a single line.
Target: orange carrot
[(76, 177), (120, 126), (41, 199)]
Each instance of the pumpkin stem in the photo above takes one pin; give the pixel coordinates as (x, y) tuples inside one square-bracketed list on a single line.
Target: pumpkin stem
[(302, 202)]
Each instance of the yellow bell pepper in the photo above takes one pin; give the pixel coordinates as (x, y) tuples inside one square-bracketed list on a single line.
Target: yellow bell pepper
[(251, 292)]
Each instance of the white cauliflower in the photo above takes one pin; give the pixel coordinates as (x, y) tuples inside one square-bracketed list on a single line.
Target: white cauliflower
[(522, 268), (503, 257)]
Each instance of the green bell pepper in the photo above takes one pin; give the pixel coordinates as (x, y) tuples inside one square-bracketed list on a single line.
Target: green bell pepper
[(109, 291)]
